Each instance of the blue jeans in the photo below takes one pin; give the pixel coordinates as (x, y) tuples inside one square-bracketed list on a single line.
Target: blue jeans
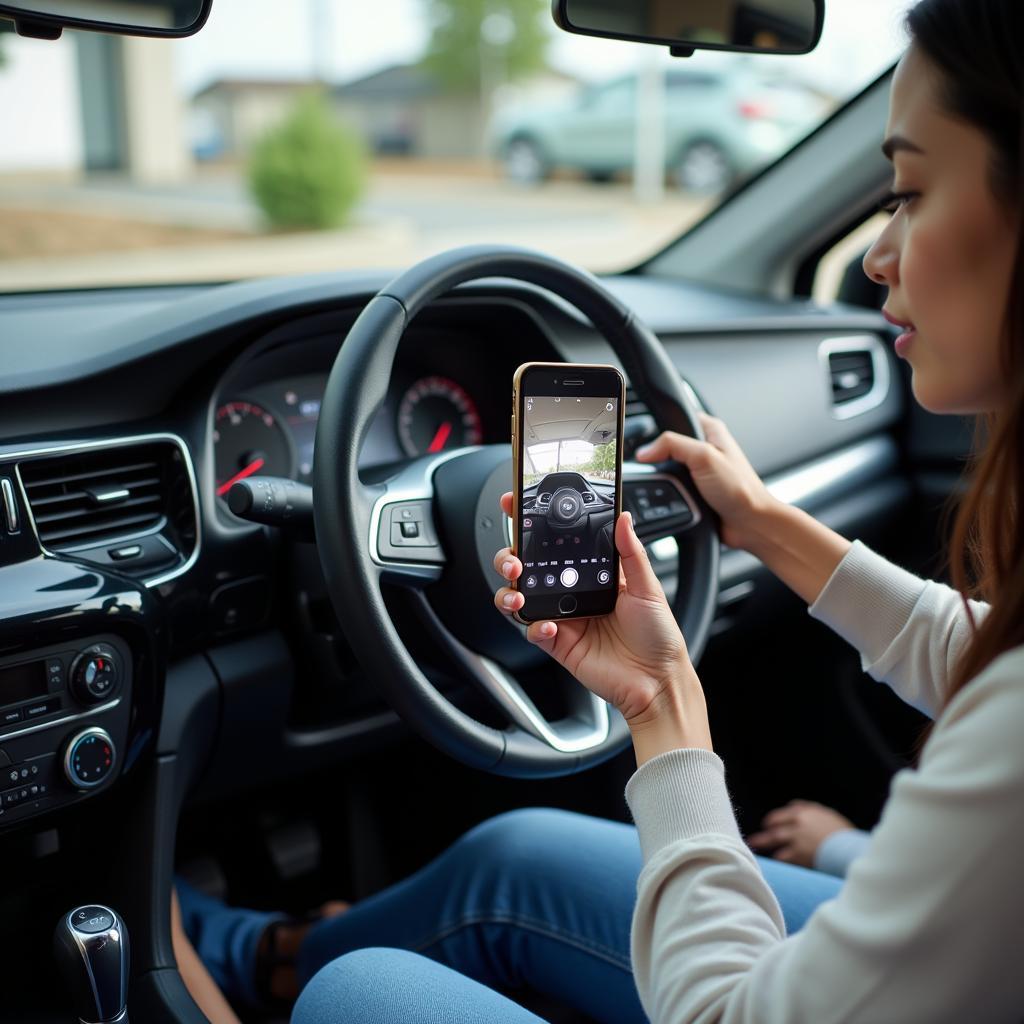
[(538, 898)]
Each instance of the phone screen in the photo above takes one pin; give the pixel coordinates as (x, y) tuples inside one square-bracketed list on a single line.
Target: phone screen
[(568, 490)]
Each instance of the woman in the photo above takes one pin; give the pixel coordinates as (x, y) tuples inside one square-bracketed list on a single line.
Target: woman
[(929, 923)]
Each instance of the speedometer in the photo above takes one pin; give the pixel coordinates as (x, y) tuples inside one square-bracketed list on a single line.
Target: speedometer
[(248, 440), (437, 415)]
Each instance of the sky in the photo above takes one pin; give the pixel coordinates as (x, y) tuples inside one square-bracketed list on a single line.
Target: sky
[(250, 38)]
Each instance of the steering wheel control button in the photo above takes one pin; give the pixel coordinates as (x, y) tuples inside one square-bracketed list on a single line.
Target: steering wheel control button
[(95, 674), (89, 758), (531, 581), (569, 577), (567, 604), (91, 920), (603, 576), (406, 533)]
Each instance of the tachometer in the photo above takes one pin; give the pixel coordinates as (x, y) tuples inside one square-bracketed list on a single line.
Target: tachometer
[(248, 441), (437, 415)]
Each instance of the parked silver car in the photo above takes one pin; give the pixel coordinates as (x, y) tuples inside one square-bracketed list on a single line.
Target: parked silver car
[(719, 125)]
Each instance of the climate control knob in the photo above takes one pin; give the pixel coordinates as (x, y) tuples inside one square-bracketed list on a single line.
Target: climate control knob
[(95, 673), (89, 758)]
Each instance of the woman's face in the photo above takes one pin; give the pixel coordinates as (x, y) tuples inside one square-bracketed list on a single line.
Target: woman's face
[(947, 255)]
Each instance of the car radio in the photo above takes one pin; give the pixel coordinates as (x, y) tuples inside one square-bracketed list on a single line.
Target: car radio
[(64, 713)]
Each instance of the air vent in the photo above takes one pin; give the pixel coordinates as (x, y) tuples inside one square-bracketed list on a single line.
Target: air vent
[(857, 369), (101, 503), (588, 498), (544, 499), (853, 375)]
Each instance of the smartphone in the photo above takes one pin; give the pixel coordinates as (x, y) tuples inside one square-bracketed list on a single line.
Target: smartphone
[(567, 487)]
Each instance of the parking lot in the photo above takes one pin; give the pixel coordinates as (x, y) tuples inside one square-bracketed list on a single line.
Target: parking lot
[(80, 234)]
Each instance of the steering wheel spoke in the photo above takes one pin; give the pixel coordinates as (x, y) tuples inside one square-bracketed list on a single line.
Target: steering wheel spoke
[(586, 726)]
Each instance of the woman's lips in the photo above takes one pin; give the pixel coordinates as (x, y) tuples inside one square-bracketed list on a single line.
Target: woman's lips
[(904, 340)]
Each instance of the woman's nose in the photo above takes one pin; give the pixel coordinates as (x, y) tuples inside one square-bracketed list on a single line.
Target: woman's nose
[(881, 262)]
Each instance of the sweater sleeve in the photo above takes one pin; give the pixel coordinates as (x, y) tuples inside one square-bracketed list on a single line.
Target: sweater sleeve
[(909, 631), (927, 928)]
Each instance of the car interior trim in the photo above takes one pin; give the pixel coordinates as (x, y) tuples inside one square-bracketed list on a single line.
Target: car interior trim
[(880, 364), (63, 720), (814, 482), (62, 449)]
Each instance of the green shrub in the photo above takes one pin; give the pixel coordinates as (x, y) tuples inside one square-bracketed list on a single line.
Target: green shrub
[(309, 170)]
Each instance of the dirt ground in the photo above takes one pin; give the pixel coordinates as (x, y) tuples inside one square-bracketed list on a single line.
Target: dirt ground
[(30, 233)]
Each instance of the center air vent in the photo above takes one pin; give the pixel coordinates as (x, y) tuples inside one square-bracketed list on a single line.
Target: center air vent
[(132, 505), (858, 374)]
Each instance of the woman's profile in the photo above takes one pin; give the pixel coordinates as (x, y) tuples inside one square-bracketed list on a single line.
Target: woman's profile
[(676, 920)]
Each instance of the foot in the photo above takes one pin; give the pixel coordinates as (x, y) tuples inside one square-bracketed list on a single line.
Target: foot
[(288, 938)]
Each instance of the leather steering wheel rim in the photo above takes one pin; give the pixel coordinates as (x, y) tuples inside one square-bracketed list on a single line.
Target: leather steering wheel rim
[(347, 512)]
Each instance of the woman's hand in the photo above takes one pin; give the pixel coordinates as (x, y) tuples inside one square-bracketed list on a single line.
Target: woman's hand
[(634, 658), (793, 833), (723, 475)]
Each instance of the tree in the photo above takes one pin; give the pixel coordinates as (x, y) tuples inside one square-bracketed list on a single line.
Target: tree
[(309, 170), (602, 462), (469, 37)]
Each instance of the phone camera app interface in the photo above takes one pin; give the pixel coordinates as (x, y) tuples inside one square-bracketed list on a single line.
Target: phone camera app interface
[(567, 542)]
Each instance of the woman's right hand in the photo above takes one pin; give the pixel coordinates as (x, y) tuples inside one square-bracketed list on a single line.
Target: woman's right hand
[(722, 473)]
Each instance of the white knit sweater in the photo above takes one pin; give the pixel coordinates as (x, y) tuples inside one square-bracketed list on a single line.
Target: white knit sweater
[(929, 925)]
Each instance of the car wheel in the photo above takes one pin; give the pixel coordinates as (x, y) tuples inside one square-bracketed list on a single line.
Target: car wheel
[(524, 163), (703, 167)]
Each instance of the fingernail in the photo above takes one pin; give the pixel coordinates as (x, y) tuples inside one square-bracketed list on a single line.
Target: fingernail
[(548, 629), (629, 520), (643, 449), (506, 568), (508, 600)]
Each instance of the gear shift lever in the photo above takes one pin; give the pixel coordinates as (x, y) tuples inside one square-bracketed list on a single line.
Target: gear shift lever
[(91, 947)]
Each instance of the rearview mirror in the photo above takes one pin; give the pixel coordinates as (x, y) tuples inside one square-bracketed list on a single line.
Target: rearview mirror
[(46, 19), (744, 26)]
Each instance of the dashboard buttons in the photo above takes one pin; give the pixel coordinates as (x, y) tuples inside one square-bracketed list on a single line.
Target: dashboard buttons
[(569, 578), (95, 673), (567, 604), (89, 758)]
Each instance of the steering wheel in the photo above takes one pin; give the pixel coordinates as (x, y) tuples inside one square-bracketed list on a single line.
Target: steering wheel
[(435, 526)]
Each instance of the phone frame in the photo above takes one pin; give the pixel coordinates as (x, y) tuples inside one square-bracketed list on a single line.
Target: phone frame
[(588, 603)]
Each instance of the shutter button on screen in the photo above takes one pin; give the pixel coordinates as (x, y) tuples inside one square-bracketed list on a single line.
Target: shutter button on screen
[(569, 577), (567, 604)]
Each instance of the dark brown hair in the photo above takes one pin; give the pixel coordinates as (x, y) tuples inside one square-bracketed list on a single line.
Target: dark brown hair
[(978, 47)]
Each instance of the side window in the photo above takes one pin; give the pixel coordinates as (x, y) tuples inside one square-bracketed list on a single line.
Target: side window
[(828, 278)]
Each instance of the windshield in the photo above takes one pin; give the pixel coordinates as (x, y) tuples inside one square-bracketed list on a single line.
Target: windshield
[(343, 134)]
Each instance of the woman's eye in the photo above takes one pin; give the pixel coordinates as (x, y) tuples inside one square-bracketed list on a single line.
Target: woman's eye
[(895, 201)]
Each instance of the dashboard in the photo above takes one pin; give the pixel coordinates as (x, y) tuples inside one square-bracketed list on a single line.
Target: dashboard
[(118, 455), (449, 389)]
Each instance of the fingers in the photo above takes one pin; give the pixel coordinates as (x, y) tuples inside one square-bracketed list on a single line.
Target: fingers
[(505, 501), (771, 838), (506, 564), (640, 578), (508, 600), (698, 456)]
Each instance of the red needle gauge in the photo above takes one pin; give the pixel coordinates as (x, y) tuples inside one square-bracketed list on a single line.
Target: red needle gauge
[(253, 467), (440, 437)]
